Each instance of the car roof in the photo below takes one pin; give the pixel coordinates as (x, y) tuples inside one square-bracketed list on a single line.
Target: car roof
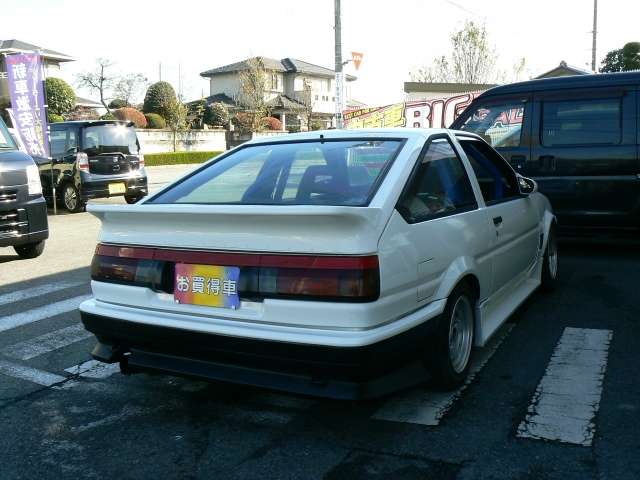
[(360, 133), (572, 81)]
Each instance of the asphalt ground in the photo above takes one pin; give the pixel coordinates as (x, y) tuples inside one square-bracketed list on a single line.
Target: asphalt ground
[(62, 416)]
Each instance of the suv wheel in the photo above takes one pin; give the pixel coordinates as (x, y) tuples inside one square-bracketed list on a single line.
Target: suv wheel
[(450, 352), (71, 198), (30, 250)]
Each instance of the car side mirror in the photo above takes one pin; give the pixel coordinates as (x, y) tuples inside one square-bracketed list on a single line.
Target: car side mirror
[(527, 186)]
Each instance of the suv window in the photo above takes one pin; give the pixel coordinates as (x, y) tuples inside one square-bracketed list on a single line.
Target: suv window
[(496, 178), (440, 185), (330, 172), (581, 122), (6, 142), (499, 124)]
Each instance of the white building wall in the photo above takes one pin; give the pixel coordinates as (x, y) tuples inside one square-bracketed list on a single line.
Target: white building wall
[(160, 141), (227, 83)]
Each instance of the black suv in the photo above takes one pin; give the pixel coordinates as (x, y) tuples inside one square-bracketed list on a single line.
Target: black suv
[(23, 210), (93, 159), (578, 137)]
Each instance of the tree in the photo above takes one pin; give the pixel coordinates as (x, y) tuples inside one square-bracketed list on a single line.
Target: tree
[(624, 59), (253, 89), (176, 118), (217, 114), (159, 98), (472, 59), (307, 102), (128, 87), (98, 80), (60, 96), (131, 115)]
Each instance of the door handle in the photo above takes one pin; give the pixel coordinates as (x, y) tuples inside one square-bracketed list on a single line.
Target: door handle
[(497, 221), (547, 162)]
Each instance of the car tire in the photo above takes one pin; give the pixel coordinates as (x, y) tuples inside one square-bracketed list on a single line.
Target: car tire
[(550, 263), (71, 198), (30, 250), (131, 199), (452, 346)]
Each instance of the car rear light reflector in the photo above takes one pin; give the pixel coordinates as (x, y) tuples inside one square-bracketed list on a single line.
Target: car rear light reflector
[(83, 162), (313, 277)]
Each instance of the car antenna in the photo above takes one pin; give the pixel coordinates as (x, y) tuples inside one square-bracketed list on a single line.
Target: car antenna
[(321, 138)]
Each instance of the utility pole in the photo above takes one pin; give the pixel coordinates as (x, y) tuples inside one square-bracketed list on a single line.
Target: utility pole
[(595, 33), (339, 80)]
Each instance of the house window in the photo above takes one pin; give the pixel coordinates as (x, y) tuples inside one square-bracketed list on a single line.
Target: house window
[(333, 99), (274, 81), (328, 84), (316, 97)]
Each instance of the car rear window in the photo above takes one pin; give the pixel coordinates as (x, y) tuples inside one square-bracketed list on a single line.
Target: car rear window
[(110, 138), (340, 173), (6, 142)]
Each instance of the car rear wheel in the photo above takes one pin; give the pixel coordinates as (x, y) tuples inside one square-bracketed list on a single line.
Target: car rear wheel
[(550, 262), (71, 198), (30, 250), (453, 343)]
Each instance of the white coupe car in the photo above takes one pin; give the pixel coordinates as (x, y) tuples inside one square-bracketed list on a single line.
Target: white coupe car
[(336, 263)]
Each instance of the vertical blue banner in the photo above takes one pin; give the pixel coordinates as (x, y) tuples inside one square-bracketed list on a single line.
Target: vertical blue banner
[(25, 78)]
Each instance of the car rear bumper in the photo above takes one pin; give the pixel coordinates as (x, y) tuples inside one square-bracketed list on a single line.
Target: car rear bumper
[(23, 222), (362, 371), (135, 186)]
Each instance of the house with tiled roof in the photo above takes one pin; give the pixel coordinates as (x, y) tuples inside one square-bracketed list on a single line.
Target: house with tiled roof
[(51, 58), (286, 80)]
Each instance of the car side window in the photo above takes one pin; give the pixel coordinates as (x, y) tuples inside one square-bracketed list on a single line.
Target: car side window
[(439, 186), (496, 179), (500, 125), (581, 122)]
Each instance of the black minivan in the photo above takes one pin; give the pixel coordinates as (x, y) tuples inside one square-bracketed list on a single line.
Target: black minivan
[(93, 159), (577, 136), (23, 210)]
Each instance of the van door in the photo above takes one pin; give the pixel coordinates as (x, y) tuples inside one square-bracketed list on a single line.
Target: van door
[(584, 156), (505, 123)]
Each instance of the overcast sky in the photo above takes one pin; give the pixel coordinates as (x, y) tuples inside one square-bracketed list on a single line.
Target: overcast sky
[(395, 36)]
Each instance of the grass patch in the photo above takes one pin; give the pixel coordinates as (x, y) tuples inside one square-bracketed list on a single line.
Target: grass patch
[(177, 158)]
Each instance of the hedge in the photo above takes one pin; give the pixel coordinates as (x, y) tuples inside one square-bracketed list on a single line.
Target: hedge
[(177, 158)]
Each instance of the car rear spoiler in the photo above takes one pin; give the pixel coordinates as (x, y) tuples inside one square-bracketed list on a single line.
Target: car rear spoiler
[(255, 228)]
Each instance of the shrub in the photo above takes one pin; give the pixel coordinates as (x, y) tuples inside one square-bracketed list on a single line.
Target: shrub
[(158, 99), (117, 103), (243, 121), (55, 118), (293, 128), (60, 96), (177, 158), (272, 123), (155, 121), (108, 116), (217, 114), (316, 125), (131, 115)]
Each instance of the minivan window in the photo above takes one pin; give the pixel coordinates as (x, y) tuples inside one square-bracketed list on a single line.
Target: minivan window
[(330, 172), (499, 124), (110, 138), (581, 122)]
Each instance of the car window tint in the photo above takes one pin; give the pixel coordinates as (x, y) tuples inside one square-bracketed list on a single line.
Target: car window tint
[(500, 125), (344, 172), (496, 179), (581, 122), (439, 187)]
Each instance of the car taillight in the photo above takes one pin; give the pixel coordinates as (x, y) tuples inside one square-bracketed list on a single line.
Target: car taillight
[(141, 161), (82, 161), (312, 277)]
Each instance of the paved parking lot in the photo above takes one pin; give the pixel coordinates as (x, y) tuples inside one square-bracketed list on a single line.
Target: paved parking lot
[(64, 416)]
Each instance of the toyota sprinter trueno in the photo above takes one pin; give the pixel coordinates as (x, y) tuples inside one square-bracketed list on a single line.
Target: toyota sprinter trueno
[(338, 263)]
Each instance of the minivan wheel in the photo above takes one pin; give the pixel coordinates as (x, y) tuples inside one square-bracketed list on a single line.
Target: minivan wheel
[(30, 250), (71, 198), (450, 355), (550, 262), (130, 199)]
